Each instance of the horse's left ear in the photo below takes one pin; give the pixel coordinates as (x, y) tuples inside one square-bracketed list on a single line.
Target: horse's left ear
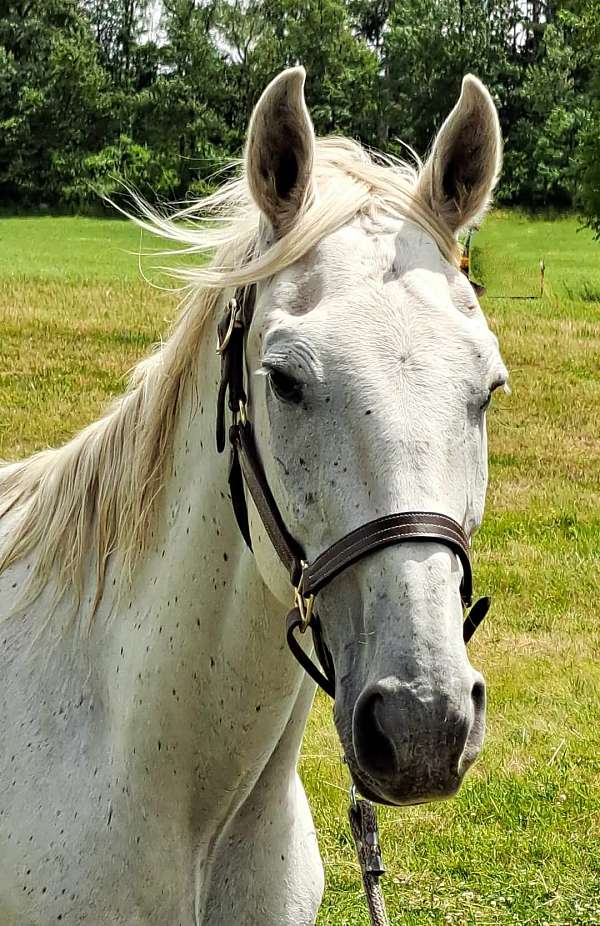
[(280, 150), (463, 168)]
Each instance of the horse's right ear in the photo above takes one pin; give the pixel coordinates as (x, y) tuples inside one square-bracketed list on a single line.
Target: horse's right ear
[(280, 150)]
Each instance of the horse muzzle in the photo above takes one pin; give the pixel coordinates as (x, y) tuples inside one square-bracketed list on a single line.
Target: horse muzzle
[(411, 745)]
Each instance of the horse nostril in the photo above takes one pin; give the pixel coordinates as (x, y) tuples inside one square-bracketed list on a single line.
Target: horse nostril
[(478, 696), (374, 750)]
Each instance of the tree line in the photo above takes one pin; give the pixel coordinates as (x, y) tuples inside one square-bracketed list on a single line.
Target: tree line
[(161, 92)]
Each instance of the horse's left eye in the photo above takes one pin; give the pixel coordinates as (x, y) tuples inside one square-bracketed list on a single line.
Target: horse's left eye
[(285, 387)]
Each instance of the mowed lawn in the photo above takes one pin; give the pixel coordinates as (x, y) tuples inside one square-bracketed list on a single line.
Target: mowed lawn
[(75, 316), (519, 845)]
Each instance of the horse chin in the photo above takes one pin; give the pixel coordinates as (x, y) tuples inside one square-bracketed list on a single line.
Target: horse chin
[(366, 786), (385, 792)]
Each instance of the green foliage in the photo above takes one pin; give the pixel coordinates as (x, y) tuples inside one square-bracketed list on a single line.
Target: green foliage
[(53, 96), (589, 160), (98, 175), (541, 144), (341, 69), (585, 24), (427, 50), (89, 92)]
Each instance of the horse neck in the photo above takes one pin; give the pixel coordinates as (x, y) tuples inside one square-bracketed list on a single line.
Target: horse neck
[(202, 638)]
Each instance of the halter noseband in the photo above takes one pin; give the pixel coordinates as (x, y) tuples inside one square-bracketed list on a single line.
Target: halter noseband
[(308, 579)]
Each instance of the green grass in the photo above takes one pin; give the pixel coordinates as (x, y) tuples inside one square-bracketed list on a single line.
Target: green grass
[(519, 843), (75, 314), (68, 249)]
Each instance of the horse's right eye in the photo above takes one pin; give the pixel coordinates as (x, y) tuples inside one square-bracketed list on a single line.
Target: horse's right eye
[(285, 387)]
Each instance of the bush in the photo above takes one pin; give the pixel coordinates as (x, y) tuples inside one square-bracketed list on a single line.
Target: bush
[(86, 180), (588, 160)]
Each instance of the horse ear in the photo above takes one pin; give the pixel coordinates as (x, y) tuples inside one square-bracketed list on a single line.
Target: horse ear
[(463, 168), (280, 150)]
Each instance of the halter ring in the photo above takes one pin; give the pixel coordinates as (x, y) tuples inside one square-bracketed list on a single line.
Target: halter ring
[(234, 308)]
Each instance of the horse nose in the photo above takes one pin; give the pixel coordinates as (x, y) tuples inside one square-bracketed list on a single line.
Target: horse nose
[(413, 741)]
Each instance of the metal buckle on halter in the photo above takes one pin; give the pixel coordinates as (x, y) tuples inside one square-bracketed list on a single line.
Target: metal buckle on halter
[(235, 308), (303, 603), (241, 414)]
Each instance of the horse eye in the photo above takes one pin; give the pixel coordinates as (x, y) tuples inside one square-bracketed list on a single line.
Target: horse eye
[(285, 387), (499, 384)]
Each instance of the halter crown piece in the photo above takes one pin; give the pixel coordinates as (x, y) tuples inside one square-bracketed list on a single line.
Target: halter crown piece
[(307, 579)]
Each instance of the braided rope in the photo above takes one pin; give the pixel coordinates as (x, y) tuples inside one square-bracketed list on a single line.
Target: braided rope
[(363, 823)]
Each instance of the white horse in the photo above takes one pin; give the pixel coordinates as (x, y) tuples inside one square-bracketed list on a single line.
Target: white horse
[(151, 715)]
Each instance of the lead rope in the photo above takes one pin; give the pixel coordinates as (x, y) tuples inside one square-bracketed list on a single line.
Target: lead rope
[(363, 824)]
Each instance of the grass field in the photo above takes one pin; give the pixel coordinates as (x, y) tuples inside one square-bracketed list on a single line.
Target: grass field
[(520, 843)]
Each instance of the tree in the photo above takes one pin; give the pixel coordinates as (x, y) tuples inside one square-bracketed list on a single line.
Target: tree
[(584, 21), (86, 92), (52, 96), (429, 47), (118, 26), (542, 141), (184, 110), (342, 70)]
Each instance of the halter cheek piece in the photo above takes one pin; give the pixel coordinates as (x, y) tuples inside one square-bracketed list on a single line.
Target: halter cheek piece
[(308, 579)]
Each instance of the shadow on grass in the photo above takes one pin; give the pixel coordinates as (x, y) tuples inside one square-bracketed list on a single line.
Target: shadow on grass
[(497, 296)]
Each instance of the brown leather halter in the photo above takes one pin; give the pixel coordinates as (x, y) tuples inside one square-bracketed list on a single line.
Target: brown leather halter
[(309, 578)]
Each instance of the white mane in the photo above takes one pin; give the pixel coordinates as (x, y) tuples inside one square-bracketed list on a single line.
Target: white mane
[(96, 495)]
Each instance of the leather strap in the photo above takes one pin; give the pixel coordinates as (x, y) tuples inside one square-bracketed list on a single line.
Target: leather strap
[(325, 679), (238, 497), (475, 617), (425, 526), (244, 451)]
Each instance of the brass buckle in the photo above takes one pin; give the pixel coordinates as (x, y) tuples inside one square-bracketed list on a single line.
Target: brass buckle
[(241, 413), (234, 308), (305, 605)]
